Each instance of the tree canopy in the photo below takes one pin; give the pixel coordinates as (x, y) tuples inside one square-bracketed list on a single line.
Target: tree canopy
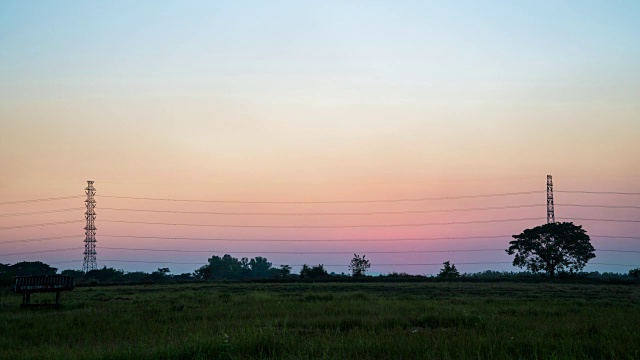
[(228, 267), (449, 270), (552, 247), (359, 265), (105, 274), (261, 267), (29, 268), (24, 268), (315, 272)]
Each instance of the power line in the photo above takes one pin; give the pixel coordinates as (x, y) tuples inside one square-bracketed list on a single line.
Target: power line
[(41, 251), (40, 200), (295, 240), (64, 262), (38, 239), (601, 206), (291, 252), (326, 202), (620, 251), (608, 264), (306, 240), (329, 202), (324, 226), (360, 226), (597, 192), (341, 265), (344, 240), (364, 213), (326, 213), (153, 262), (465, 263), (335, 265), (42, 224), (301, 252), (606, 220), (615, 237), (41, 212), (329, 252)]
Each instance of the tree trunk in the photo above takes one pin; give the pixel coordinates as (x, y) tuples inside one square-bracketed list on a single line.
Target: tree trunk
[(552, 272)]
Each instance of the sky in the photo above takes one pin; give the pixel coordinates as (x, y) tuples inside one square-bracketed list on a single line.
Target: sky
[(289, 101)]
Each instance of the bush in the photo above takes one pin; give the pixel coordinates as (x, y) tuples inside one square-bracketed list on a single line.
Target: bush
[(448, 271)]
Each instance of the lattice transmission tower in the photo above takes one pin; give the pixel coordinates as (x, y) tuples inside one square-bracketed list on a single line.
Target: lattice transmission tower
[(90, 230), (551, 216)]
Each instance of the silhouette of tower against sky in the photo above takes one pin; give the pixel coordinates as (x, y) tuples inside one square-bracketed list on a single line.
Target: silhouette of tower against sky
[(90, 230), (551, 216)]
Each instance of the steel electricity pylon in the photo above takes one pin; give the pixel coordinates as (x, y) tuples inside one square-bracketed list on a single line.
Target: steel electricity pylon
[(90, 262), (551, 216)]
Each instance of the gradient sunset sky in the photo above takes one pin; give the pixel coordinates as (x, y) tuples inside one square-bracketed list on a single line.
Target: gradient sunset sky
[(300, 101)]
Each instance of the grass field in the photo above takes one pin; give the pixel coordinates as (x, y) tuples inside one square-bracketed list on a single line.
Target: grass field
[(446, 320)]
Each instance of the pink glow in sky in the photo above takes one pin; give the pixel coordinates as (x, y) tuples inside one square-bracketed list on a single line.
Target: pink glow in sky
[(316, 103)]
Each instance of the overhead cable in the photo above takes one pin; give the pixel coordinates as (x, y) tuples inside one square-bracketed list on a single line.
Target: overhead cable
[(300, 252), (38, 239), (363, 213), (597, 192), (327, 252), (42, 224), (606, 220), (293, 240), (338, 265), (41, 212), (325, 226), (329, 202), (42, 251), (41, 200), (306, 240)]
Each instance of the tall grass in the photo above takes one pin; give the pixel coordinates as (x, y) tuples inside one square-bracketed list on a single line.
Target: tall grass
[(328, 321)]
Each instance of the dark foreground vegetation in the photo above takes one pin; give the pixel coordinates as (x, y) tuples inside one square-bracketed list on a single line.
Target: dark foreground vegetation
[(218, 320), (260, 270)]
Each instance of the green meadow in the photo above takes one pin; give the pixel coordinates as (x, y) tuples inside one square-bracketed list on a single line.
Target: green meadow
[(436, 320)]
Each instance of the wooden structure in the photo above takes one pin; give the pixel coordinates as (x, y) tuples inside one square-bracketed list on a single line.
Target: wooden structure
[(27, 285)]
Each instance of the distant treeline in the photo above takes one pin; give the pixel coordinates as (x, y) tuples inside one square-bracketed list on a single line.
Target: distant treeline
[(260, 269)]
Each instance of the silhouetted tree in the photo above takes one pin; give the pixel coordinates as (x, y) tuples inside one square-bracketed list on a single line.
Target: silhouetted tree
[(183, 276), (158, 275), (359, 265), (260, 267), (203, 272), (29, 268), (229, 268), (135, 276), (551, 248), (226, 267), (6, 278), (245, 268), (74, 273), (105, 275), (315, 272), (635, 273), (304, 271), (284, 271), (449, 270), (24, 268)]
